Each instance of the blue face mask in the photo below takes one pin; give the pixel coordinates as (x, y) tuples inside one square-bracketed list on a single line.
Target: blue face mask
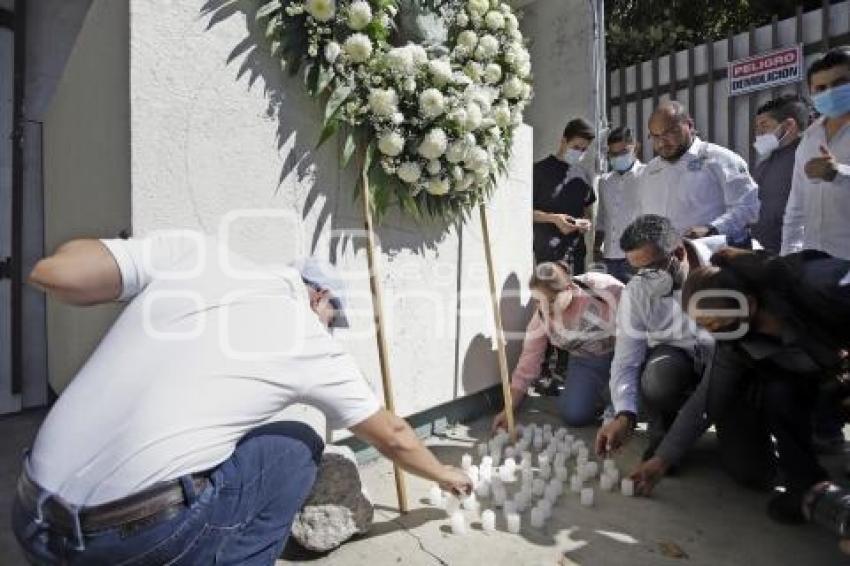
[(833, 102), (622, 163)]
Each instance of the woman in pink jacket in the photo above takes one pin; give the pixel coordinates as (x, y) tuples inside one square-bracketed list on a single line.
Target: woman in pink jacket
[(576, 314)]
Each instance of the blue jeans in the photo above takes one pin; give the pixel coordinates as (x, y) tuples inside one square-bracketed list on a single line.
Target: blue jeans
[(586, 390), (618, 268), (242, 517)]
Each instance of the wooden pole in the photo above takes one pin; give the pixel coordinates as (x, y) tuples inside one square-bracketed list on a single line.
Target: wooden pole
[(497, 319), (378, 307)]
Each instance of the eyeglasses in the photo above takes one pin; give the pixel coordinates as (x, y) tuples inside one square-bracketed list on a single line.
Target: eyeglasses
[(669, 134)]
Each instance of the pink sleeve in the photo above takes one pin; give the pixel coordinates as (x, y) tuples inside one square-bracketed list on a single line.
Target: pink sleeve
[(533, 351)]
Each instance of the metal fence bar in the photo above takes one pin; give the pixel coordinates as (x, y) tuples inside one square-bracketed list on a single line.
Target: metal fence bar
[(799, 34), (655, 85), (692, 95), (730, 100), (774, 43), (671, 68), (624, 107), (752, 98), (825, 24), (639, 105), (710, 82)]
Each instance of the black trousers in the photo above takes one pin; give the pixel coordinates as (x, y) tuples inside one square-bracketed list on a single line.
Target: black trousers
[(764, 402), (667, 380)]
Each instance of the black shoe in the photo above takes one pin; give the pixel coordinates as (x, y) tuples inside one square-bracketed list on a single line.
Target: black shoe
[(786, 508), (548, 387)]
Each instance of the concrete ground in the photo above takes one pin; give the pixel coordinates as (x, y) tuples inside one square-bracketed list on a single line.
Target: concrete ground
[(696, 518)]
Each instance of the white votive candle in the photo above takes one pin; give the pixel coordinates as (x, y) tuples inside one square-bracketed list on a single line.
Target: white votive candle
[(510, 452), (466, 461), (487, 461), (537, 518), (609, 464), (513, 521), (562, 473), (543, 459), (605, 482), (435, 496), (546, 472), (627, 487), (452, 504), (468, 501), (509, 507), (488, 521), (458, 523), (482, 450), (614, 475), (592, 469), (483, 489), (587, 496), (538, 442)]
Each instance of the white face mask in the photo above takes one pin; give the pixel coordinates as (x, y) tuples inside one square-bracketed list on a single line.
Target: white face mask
[(622, 163), (573, 156), (766, 144)]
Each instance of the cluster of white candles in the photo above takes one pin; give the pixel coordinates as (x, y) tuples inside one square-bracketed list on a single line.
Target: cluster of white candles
[(502, 465)]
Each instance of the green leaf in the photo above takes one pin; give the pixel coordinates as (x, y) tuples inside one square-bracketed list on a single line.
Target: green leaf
[(329, 130), (348, 149), (326, 77), (338, 97), (269, 9)]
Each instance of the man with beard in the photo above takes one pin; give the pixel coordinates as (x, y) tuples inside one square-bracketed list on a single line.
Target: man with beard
[(703, 188)]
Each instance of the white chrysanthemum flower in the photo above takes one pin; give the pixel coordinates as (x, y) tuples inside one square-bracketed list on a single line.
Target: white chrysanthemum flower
[(434, 167), (332, 51), (473, 117), (478, 7), (438, 186), (400, 60), (516, 35), (477, 158), (383, 101), (418, 53), (432, 103), (523, 70), (457, 173), (456, 152), (397, 118), (458, 117), (493, 73), (526, 91), (358, 47), (488, 47), (513, 88), (409, 172), (434, 144), (473, 70), (511, 23), (502, 116), (462, 20), (441, 71), (321, 10), (482, 96), (391, 143), (516, 116), (467, 39), (359, 15), (467, 182), (494, 20), (461, 80)]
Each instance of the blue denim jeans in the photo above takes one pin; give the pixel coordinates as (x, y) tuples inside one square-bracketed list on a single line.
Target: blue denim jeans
[(586, 390), (242, 517)]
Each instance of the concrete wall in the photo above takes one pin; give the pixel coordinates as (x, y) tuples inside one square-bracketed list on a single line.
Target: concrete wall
[(561, 41), (86, 169), (217, 129)]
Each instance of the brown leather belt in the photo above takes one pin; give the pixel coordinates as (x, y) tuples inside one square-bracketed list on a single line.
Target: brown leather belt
[(128, 513)]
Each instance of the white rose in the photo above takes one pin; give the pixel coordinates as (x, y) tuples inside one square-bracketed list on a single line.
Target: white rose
[(467, 39), (391, 144), (322, 10), (513, 88), (434, 144), (478, 7), (493, 73), (456, 152), (494, 20), (358, 47), (488, 47), (462, 19), (438, 186), (435, 167), (332, 51), (383, 101), (409, 172), (441, 71), (502, 116), (359, 15), (473, 117), (431, 103)]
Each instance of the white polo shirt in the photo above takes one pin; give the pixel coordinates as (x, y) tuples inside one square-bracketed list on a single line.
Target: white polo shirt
[(708, 185), (618, 198), (208, 348)]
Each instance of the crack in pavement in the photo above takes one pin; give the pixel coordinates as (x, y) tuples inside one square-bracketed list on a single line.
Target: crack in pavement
[(416, 538)]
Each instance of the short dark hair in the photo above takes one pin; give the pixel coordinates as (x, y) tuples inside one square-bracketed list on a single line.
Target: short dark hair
[(719, 282), (650, 229), (835, 57), (579, 128), (621, 134), (545, 275), (787, 106)]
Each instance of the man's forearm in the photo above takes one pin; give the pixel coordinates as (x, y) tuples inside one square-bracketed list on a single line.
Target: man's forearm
[(543, 217), (403, 447), (81, 272)]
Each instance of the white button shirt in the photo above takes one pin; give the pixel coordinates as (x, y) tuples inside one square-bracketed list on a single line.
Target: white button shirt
[(708, 185), (617, 207), (818, 213)]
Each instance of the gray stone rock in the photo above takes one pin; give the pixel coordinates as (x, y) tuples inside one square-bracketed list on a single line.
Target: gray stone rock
[(337, 508)]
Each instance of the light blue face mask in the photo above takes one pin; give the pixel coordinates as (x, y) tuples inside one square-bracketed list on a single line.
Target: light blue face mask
[(833, 102), (622, 163)]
